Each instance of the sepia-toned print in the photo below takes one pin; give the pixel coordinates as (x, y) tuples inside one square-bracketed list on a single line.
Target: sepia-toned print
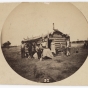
[(45, 42)]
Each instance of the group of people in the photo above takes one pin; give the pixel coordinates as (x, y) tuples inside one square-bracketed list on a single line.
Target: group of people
[(29, 49), (34, 50)]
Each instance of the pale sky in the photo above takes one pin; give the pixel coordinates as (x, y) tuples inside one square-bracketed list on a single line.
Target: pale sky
[(34, 19)]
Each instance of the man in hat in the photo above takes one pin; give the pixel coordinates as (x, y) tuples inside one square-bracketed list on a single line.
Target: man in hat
[(22, 49)]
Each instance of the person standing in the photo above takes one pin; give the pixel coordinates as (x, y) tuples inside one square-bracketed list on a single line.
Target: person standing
[(33, 49), (39, 51), (44, 43), (61, 47), (68, 47), (26, 50), (30, 49), (53, 47), (22, 49)]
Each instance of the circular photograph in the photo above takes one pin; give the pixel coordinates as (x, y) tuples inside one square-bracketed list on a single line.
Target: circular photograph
[(45, 42)]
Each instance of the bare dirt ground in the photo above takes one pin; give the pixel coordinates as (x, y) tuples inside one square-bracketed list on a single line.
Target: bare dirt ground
[(56, 69)]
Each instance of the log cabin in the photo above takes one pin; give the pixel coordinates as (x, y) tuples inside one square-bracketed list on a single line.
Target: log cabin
[(58, 37)]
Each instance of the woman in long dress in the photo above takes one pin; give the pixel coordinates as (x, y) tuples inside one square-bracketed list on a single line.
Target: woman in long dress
[(46, 52), (53, 47)]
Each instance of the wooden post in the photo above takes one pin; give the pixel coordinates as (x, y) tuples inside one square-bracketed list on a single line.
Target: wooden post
[(47, 39)]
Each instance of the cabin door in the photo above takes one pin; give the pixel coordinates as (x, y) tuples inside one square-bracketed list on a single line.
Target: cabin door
[(49, 43)]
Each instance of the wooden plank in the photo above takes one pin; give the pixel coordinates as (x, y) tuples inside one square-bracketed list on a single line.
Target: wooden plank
[(57, 44), (57, 47), (60, 40), (57, 38), (60, 45), (57, 35)]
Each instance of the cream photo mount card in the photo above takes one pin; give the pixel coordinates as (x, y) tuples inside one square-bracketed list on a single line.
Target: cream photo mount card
[(44, 43)]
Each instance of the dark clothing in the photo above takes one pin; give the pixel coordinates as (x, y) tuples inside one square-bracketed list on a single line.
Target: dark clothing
[(33, 50), (22, 52), (39, 53), (47, 57), (68, 51), (26, 51), (86, 45), (30, 50)]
